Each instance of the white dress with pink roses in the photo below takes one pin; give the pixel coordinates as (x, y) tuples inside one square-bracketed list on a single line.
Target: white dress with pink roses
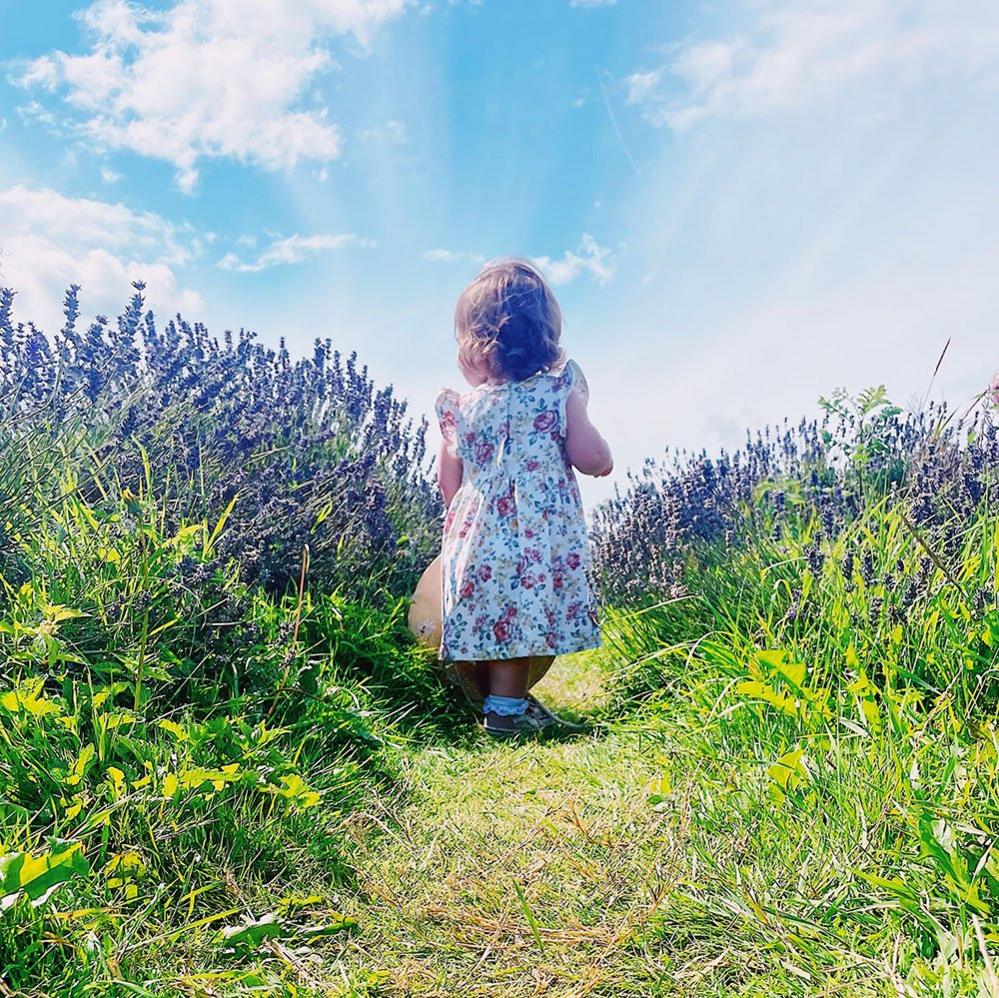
[(515, 575)]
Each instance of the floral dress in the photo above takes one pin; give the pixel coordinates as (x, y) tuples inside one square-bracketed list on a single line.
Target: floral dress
[(515, 579)]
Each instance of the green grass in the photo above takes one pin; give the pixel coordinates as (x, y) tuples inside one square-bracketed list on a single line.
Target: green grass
[(767, 803), (655, 856), (785, 782)]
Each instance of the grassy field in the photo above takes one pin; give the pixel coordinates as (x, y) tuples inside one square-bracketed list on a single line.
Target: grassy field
[(226, 769)]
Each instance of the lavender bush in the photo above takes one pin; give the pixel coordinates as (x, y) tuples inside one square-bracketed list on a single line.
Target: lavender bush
[(681, 511), (304, 451)]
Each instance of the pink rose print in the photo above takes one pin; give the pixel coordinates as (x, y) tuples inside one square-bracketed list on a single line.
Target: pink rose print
[(484, 452), (544, 421), (572, 560), (527, 581), (528, 533), (449, 519), (510, 613), (501, 631), (572, 612), (506, 506), (532, 465), (467, 589), (551, 639), (485, 573), (558, 580), (469, 438)]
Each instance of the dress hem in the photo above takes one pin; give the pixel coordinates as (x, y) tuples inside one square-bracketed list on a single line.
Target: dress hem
[(595, 642)]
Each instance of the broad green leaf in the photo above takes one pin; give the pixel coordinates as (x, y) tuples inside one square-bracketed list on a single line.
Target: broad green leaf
[(36, 876), (28, 697), (789, 771), (79, 768), (177, 730), (251, 933)]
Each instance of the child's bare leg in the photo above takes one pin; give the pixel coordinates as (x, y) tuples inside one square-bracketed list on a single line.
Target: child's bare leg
[(475, 675), (505, 708), (508, 678)]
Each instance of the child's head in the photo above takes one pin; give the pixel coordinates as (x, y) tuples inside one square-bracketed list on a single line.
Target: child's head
[(507, 323)]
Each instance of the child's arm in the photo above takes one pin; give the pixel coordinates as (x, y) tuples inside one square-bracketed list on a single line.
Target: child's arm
[(449, 474), (587, 451)]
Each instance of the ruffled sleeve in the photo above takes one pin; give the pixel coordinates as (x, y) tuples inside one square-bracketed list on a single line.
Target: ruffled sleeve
[(449, 418), (570, 379)]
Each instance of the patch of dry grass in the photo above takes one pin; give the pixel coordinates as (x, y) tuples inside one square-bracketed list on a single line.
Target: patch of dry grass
[(526, 869)]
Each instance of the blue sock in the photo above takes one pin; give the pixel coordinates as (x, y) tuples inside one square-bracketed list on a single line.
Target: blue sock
[(504, 706)]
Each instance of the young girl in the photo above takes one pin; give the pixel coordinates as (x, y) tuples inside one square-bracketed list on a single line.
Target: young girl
[(514, 578)]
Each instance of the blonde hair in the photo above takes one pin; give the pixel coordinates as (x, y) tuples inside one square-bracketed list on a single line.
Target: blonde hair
[(507, 321)]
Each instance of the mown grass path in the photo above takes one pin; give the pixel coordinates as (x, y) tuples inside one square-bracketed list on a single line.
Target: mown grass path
[(516, 869)]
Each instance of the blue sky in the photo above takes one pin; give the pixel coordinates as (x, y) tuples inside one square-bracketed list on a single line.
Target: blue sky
[(742, 205)]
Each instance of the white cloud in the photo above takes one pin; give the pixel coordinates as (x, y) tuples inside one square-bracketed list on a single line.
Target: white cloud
[(392, 132), (207, 78), (795, 53), (33, 111), (110, 176), (589, 258), (292, 249), (452, 256), (51, 241), (643, 86)]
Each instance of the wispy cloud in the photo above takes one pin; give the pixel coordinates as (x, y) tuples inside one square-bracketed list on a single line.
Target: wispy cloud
[(452, 256), (793, 53), (391, 132), (588, 258), (292, 249), (206, 78), (51, 241)]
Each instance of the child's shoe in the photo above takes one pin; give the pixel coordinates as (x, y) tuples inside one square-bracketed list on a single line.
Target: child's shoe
[(508, 717), (548, 718), (511, 725)]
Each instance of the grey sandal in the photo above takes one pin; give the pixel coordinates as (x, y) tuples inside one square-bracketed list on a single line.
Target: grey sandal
[(510, 726), (548, 718)]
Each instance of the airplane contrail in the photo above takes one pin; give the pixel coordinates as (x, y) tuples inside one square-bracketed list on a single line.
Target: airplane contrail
[(617, 129)]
